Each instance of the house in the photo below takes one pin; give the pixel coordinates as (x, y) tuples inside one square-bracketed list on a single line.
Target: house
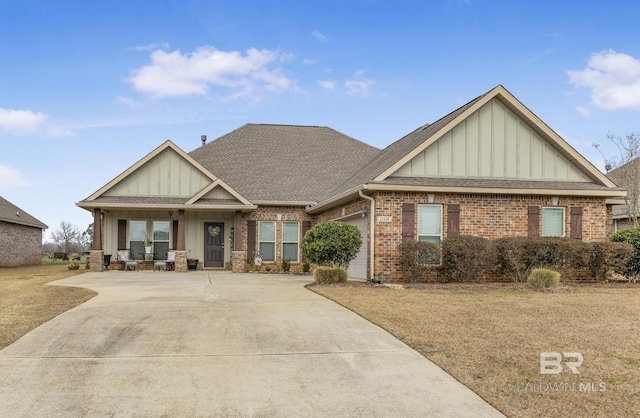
[(20, 236), (627, 176), (490, 168)]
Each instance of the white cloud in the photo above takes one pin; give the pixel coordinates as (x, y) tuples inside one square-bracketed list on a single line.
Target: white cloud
[(151, 47), (172, 74), (22, 122), (584, 111), (327, 84), (28, 122), (10, 178), (359, 87), (613, 78), (319, 36), (133, 104)]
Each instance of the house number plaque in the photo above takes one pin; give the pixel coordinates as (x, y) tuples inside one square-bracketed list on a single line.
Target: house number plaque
[(384, 218)]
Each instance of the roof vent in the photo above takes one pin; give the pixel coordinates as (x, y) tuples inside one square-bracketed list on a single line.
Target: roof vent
[(203, 138)]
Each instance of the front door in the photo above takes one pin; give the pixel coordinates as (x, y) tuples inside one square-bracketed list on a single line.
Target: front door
[(213, 244)]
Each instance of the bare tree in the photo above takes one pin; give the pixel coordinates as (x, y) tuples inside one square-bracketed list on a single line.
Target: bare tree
[(624, 170), (66, 236), (85, 239)]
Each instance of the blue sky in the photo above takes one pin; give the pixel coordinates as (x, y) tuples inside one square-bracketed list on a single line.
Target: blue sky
[(89, 88)]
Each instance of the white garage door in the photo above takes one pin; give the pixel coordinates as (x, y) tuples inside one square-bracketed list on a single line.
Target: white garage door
[(358, 266)]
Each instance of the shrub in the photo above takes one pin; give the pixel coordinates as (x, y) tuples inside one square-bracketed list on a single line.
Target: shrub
[(466, 258), (285, 265), (330, 275), (541, 278), (417, 258), (605, 257), (332, 244), (630, 236), (73, 265), (516, 256), (306, 266)]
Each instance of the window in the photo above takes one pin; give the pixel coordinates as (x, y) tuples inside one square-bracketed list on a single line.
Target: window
[(267, 240), (290, 241), (160, 240), (137, 235), (430, 223), (553, 222)]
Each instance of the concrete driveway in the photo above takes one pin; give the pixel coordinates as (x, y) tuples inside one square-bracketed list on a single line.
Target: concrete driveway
[(197, 344)]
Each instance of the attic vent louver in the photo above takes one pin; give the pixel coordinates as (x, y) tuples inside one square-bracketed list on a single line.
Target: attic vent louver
[(203, 138)]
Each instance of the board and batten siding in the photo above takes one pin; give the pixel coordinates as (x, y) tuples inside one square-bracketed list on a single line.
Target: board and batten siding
[(492, 143), (168, 174)]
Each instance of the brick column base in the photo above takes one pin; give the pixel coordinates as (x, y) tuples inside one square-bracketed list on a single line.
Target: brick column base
[(238, 259), (181, 261), (96, 260)]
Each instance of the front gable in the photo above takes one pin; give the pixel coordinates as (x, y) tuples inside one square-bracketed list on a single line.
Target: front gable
[(494, 137), (166, 174), (493, 142)]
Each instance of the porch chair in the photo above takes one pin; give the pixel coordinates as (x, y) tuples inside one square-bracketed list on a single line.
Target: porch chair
[(167, 264), (124, 257)]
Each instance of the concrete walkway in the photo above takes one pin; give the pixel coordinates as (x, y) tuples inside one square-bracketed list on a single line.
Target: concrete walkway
[(197, 345)]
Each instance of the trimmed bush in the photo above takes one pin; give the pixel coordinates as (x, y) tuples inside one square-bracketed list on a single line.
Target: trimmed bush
[(330, 275), (466, 258), (332, 244), (605, 257), (516, 256), (541, 278), (630, 236), (417, 258)]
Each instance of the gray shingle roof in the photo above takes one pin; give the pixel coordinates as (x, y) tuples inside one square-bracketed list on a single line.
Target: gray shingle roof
[(394, 152), (284, 162), (13, 214)]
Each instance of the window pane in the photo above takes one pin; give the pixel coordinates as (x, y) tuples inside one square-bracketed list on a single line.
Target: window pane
[(161, 230), (267, 231), (137, 250), (160, 250), (433, 239), (290, 231), (429, 220), (137, 230), (552, 222), (290, 252), (268, 251)]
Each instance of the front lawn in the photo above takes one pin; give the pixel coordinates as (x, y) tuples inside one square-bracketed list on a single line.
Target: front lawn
[(490, 337), (27, 302)]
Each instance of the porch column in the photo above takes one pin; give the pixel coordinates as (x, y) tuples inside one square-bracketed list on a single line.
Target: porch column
[(97, 230), (181, 246), (237, 238), (181, 253), (96, 255)]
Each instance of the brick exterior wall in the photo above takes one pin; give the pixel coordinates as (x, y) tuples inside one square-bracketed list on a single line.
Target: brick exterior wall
[(487, 216), (19, 245), (271, 213)]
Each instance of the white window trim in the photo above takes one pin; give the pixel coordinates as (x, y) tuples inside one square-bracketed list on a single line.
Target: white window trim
[(275, 236), (418, 235), (564, 220), (297, 242)]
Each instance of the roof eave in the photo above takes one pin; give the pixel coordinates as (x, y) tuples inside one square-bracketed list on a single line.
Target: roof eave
[(343, 197), (377, 187), (154, 206)]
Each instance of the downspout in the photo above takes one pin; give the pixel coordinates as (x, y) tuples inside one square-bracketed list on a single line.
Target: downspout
[(371, 232)]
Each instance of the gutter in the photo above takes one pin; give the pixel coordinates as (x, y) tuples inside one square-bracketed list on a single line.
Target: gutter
[(372, 219)]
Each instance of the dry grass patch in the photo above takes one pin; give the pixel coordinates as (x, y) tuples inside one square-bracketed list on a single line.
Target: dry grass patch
[(490, 337), (26, 302)]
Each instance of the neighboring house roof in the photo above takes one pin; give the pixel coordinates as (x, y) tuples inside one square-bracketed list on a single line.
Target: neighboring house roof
[(12, 214), (284, 163)]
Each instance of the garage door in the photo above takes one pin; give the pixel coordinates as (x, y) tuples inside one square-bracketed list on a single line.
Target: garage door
[(358, 266)]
